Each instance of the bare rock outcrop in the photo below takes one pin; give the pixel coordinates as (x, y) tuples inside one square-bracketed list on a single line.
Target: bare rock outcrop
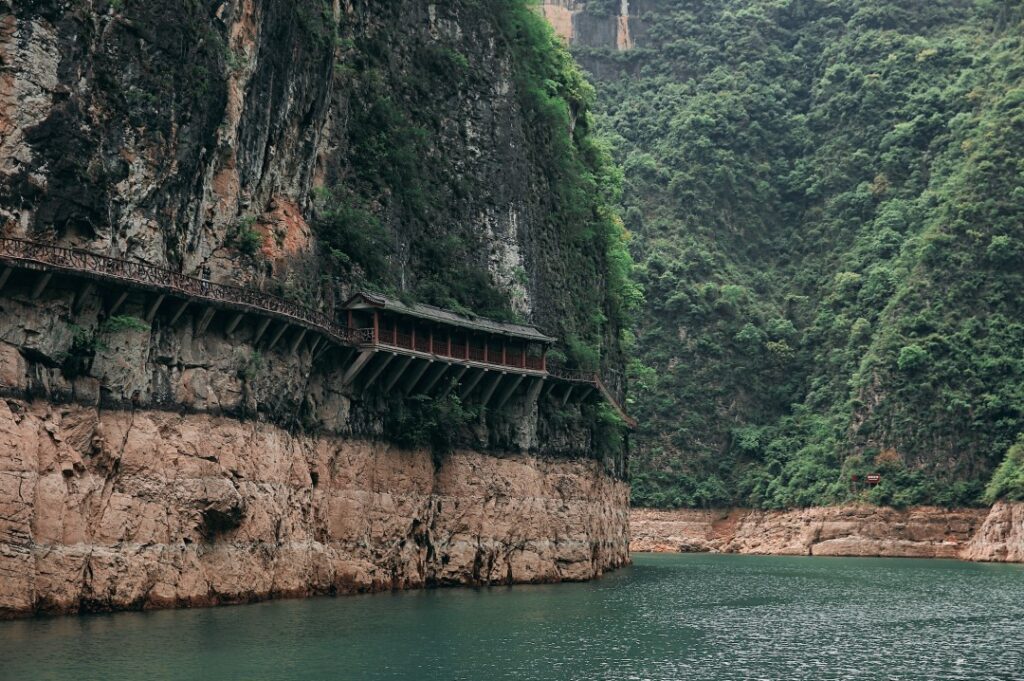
[(854, 530), (113, 510), (1000, 537)]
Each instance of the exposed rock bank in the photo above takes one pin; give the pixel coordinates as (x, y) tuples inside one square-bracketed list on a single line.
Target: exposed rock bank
[(924, 532), (109, 510)]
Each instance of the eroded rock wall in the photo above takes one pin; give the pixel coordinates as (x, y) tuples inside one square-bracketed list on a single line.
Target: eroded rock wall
[(109, 510), (921, 532)]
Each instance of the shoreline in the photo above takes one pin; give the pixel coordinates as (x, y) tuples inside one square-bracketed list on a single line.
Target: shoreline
[(994, 534)]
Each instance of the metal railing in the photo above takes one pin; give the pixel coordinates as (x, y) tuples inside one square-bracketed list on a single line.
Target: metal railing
[(76, 261)]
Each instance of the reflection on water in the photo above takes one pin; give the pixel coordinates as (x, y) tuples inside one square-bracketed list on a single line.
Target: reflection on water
[(667, 617)]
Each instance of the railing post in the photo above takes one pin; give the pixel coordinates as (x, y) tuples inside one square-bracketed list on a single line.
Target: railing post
[(376, 327)]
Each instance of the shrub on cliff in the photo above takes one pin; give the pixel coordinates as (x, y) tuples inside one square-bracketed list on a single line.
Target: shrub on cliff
[(1008, 481)]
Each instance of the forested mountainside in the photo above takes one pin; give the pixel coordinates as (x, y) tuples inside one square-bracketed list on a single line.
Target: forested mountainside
[(828, 207)]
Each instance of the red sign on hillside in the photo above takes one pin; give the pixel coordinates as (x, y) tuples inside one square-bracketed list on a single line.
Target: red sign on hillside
[(874, 479)]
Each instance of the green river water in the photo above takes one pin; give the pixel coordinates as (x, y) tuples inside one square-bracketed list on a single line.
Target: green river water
[(666, 617)]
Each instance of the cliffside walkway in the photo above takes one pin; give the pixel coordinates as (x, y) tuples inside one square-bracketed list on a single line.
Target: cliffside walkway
[(419, 369)]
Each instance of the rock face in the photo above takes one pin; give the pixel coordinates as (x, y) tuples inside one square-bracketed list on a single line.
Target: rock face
[(923, 532), (111, 510), (1001, 536)]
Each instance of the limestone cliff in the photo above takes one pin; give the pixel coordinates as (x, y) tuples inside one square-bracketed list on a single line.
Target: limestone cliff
[(110, 510), (437, 151), (855, 530)]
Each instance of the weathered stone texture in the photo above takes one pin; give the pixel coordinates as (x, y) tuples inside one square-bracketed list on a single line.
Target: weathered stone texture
[(921, 532), (110, 510)]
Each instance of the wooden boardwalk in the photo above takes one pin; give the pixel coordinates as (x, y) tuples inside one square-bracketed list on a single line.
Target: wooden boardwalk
[(274, 318)]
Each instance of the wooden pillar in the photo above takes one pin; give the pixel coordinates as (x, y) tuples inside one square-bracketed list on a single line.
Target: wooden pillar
[(507, 393), (394, 332), (376, 327), (385, 361), (465, 350), (153, 307), (504, 353), (260, 329), (449, 351), (413, 336), (350, 319), (277, 336), (544, 358), (180, 311), (459, 373), (41, 285), (81, 297), (416, 375), (430, 340), (117, 303), (356, 367), (297, 341), (487, 347), (204, 321), (470, 384), (233, 324), (397, 373)]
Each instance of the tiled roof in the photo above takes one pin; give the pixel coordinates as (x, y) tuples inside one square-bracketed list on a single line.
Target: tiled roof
[(365, 299)]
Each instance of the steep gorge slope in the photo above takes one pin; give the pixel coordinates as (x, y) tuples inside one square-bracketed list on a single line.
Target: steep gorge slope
[(440, 152), (827, 203)]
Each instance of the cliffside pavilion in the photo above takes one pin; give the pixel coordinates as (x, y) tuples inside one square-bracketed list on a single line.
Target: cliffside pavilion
[(422, 347)]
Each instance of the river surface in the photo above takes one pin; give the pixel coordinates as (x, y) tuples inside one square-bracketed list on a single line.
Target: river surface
[(666, 617)]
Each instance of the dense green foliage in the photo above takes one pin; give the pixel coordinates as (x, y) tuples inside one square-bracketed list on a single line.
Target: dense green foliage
[(829, 203), (456, 138), (1008, 480)]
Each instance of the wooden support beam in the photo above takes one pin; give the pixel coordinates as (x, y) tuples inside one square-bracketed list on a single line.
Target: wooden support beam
[(485, 396), (4, 276), (397, 373), (385, 360), (81, 296), (323, 350), (117, 303), (364, 357), (415, 376), (41, 285), (154, 306), (180, 311), (313, 346), (204, 321), (550, 386), (567, 395), (468, 388), (454, 380), (233, 324), (296, 341), (533, 394), (587, 392), (261, 328), (434, 377), (508, 391), (277, 336)]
